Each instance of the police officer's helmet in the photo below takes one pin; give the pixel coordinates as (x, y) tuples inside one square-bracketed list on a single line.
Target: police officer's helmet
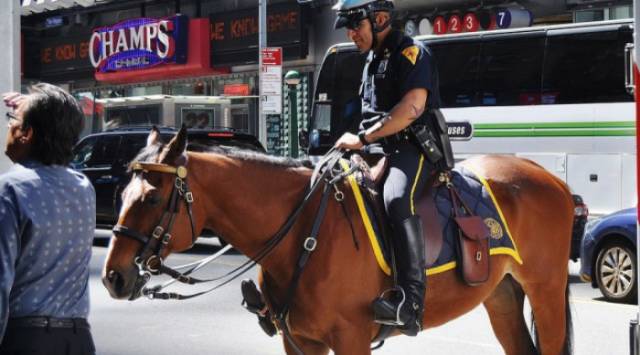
[(351, 12)]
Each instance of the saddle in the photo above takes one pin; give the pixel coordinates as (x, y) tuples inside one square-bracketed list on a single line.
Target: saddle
[(472, 247)]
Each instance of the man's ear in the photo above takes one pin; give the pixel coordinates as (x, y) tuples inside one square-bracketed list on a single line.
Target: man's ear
[(381, 18), (27, 135)]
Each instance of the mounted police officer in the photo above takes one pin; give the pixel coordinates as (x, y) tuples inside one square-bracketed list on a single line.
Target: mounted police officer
[(400, 101)]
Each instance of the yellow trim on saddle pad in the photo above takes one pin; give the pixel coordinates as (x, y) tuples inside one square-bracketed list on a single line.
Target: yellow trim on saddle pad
[(513, 252), (377, 251), (365, 219)]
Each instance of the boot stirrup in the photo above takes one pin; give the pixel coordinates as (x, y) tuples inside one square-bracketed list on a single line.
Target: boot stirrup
[(397, 321)]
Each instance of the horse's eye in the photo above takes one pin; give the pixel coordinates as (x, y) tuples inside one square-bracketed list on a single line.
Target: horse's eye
[(153, 200)]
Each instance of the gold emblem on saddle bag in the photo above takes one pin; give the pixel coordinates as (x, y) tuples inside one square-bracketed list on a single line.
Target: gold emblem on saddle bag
[(495, 229)]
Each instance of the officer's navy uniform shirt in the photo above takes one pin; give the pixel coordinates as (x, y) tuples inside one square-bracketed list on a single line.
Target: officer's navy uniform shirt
[(47, 223), (400, 65)]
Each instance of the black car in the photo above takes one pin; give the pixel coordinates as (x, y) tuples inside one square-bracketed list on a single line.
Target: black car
[(104, 158)]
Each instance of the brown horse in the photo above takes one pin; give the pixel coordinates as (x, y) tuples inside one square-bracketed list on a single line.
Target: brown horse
[(246, 197)]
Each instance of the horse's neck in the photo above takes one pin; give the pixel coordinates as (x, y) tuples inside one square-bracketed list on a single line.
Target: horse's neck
[(246, 202)]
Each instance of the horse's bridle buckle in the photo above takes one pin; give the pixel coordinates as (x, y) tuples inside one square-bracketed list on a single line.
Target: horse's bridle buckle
[(310, 244), (157, 232)]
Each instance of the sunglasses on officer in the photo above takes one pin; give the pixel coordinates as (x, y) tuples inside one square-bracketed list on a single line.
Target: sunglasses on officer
[(351, 19)]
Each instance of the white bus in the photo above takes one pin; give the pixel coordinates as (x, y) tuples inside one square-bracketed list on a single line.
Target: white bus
[(554, 94), (204, 112)]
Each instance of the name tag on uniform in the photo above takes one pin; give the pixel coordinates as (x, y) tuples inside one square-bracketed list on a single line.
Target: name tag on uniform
[(382, 67)]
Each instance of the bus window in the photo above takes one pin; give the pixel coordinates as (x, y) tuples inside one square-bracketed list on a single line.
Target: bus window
[(510, 71), (339, 86), (458, 72), (585, 68)]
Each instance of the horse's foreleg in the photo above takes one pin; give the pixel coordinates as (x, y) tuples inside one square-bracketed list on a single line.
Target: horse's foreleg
[(308, 347), (352, 340), (505, 308), (548, 304)]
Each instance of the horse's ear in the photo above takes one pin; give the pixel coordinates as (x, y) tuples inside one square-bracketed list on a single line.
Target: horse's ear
[(176, 148), (154, 136)]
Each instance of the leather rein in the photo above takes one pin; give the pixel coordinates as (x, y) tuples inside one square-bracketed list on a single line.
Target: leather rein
[(154, 264)]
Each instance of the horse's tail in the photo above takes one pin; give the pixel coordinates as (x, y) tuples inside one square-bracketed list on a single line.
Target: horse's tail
[(567, 347)]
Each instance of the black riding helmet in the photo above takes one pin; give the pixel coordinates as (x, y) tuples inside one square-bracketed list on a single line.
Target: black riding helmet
[(351, 12)]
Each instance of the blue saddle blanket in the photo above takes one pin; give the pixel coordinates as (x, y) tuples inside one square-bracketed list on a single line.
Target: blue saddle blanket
[(477, 196)]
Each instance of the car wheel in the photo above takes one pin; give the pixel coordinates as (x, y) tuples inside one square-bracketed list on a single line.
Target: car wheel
[(616, 273)]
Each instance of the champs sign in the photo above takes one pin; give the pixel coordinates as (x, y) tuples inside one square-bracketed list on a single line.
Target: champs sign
[(139, 43)]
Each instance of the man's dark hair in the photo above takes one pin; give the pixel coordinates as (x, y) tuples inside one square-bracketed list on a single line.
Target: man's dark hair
[(56, 119)]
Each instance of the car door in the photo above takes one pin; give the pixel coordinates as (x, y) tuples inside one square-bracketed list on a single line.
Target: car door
[(95, 157)]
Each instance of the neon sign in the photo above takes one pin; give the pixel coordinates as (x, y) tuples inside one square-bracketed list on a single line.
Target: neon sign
[(139, 43)]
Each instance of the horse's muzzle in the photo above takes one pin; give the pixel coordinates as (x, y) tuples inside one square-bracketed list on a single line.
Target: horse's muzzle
[(118, 285)]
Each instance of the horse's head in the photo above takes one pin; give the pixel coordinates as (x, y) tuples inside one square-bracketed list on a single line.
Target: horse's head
[(155, 218)]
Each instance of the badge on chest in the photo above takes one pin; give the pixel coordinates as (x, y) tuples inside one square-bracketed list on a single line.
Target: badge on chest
[(382, 67)]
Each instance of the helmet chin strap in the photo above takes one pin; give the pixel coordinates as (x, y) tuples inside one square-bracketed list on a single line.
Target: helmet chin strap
[(375, 29)]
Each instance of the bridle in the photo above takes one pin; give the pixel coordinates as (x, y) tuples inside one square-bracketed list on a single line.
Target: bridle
[(149, 260)]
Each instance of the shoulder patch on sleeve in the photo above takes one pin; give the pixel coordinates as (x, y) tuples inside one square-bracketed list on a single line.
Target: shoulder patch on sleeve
[(411, 53)]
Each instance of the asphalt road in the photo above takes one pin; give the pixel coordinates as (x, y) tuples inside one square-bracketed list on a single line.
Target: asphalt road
[(217, 324)]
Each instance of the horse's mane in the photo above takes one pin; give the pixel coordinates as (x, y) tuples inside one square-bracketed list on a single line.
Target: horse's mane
[(149, 153)]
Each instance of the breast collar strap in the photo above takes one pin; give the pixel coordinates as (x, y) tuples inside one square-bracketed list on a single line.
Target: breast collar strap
[(149, 259)]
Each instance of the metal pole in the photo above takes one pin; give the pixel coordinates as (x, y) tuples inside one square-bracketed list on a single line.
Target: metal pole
[(262, 43), (293, 121), (9, 63), (633, 329)]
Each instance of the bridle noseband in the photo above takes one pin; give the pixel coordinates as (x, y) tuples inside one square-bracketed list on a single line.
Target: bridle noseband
[(154, 244)]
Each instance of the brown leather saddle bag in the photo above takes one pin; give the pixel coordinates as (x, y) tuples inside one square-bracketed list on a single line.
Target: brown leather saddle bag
[(472, 244)]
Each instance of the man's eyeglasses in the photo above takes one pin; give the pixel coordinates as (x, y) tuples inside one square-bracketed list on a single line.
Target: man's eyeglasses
[(352, 19), (12, 117), (354, 24)]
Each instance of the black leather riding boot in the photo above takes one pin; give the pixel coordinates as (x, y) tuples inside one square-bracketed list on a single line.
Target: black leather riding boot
[(406, 308)]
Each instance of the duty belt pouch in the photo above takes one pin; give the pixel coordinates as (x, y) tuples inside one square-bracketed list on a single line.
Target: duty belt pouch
[(423, 138), (472, 244), (443, 133)]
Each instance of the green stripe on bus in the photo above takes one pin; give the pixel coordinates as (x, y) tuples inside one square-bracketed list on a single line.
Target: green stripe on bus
[(555, 133), (543, 125)]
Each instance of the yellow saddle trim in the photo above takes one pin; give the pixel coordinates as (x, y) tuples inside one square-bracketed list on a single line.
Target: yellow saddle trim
[(365, 219), (513, 252), (377, 251)]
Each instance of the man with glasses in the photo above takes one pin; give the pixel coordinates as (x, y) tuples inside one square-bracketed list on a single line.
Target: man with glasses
[(47, 222), (399, 94)]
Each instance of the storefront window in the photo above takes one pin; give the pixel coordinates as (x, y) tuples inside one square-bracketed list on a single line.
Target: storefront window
[(589, 15), (88, 105), (145, 90), (620, 12), (200, 87), (107, 18), (159, 10), (189, 8)]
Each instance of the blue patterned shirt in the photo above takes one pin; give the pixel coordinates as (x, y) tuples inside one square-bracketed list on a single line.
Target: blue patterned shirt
[(47, 224)]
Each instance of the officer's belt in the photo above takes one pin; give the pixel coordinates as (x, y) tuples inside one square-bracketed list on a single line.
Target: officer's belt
[(396, 138), (48, 322)]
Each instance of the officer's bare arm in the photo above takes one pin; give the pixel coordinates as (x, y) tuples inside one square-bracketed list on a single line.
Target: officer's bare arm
[(406, 111)]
